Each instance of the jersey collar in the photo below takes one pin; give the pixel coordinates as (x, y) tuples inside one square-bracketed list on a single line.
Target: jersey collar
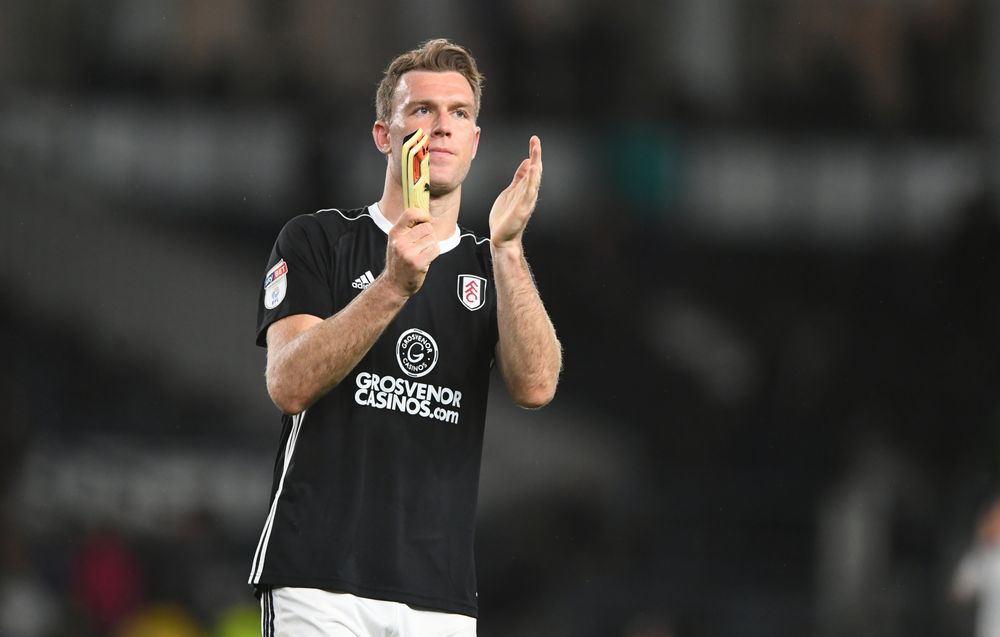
[(376, 212)]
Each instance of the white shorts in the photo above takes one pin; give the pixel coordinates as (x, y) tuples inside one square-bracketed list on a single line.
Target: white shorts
[(311, 612)]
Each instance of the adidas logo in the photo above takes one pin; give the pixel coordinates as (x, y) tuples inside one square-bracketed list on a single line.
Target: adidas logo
[(363, 281)]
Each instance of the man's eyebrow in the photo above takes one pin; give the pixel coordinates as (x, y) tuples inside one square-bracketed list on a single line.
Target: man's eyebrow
[(426, 101), (418, 102)]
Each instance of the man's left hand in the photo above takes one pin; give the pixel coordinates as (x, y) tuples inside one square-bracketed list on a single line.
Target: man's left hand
[(514, 206)]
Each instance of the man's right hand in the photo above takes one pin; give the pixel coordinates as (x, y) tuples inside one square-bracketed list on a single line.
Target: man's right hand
[(411, 248)]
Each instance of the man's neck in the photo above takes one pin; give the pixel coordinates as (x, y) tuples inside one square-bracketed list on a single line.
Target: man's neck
[(444, 209)]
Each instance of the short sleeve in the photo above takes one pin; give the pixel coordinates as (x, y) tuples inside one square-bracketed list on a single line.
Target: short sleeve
[(297, 277)]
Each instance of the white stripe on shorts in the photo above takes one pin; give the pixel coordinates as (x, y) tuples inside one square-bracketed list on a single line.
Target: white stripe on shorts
[(266, 614)]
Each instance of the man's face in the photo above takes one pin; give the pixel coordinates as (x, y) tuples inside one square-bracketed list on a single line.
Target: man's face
[(442, 104)]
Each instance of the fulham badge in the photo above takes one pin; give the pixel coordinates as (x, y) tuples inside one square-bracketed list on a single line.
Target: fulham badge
[(471, 291)]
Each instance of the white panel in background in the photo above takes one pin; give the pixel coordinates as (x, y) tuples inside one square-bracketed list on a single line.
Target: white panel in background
[(938, 183), (187, 157), (731, 188), (843, 206), (826, 191)]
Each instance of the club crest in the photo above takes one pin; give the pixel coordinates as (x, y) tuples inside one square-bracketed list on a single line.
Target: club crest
[(471, 291)]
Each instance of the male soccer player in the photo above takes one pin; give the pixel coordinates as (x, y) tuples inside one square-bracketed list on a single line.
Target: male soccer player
[(382, 325)]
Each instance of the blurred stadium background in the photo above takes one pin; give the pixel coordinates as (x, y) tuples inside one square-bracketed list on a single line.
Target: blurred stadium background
[(768, 236)]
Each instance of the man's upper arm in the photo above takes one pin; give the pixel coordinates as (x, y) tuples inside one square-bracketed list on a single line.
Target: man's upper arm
[(297, 279), (284, 330)]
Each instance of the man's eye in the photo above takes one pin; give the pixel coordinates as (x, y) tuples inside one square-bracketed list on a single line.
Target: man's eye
[(461, 113), (423, 110)]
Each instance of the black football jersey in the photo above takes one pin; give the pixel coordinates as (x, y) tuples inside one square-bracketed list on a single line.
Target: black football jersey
[(375, 485)]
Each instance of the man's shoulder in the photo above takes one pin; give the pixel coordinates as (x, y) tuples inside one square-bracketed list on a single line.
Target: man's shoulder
[(328, 221), (342, 217)]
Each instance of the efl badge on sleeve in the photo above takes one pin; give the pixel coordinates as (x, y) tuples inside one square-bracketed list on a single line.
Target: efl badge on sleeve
[(275, 285), (471, 291)]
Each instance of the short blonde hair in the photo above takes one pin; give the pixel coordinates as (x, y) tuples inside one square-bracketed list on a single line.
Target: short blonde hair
[(439, 55)]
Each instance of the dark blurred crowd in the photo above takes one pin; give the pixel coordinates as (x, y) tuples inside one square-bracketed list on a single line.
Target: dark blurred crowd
[(816, 426), (894, 66)]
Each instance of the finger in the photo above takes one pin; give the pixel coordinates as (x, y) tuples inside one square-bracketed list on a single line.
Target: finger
[(429, 249), (535, 150), (532, 166), (412, 217), (425, 251), (419, 232), (535, 153), (521, 172)]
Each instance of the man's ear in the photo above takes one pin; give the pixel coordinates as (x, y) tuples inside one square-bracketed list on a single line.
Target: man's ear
[(380, 133), (475, 142)]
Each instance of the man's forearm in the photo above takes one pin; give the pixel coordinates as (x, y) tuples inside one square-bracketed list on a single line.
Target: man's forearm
[(529, 353), (316, 360)]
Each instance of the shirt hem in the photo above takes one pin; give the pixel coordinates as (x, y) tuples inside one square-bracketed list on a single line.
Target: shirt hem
[(387, 595)]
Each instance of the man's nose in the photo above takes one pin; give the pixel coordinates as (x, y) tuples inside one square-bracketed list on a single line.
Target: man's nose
[(442, 127)]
